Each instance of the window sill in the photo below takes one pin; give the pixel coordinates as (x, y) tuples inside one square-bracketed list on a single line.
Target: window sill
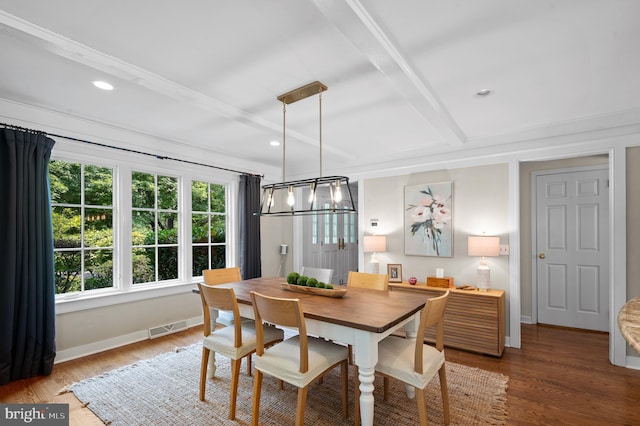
[(71, 303)]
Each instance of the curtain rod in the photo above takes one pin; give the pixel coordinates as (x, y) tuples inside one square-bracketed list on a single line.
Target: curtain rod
[(159, 157)]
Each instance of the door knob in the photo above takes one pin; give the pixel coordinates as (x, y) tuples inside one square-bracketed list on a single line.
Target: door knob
[(541, 256)]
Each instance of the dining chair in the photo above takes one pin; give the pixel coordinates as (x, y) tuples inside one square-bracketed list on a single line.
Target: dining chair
[(415, 363), (367, 280), (222, 276), (321, 274), (298, 360), (235, 342)]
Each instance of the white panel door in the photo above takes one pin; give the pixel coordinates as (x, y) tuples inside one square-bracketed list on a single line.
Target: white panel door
[(572, 249), (330, 241)]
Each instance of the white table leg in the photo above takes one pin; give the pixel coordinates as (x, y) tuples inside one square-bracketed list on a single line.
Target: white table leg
[(366, 358), (211, 368)]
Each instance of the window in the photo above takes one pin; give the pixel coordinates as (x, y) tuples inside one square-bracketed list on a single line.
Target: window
[(208, 226), (82, 213), (154, 233), (123, 234)]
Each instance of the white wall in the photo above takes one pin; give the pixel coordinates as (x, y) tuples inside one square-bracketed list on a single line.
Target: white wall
[(94, 330), (480, 205), (275, 231)]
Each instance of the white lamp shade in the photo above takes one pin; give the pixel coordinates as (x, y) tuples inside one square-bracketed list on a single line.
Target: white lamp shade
[(483, 246), (375, 243)]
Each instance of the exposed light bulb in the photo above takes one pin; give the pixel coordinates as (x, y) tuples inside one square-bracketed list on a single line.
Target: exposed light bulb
[(312, 193), (338, 192), (291, 201), (270, 200)]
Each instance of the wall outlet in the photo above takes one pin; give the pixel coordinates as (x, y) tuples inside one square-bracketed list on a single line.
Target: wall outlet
[(504, 250)]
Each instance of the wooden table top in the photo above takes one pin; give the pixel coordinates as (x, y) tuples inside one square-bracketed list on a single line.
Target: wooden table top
[(629, 322), (370, 310)]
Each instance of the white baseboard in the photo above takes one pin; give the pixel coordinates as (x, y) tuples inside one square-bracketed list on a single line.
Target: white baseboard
[(115, 342), (633, 362), (526, 320)]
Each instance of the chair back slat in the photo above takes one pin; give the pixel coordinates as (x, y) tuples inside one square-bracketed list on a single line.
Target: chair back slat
[(283, 312), (223, 299), (432, 313), (221, 276), (320, 274), (366, 280)]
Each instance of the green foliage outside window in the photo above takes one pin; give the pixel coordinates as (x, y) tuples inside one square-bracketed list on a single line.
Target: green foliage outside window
[(83, 226), (208, 226), (82, 219), (154, 200)]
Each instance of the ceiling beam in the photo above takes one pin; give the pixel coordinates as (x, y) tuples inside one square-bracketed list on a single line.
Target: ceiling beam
[(353, 20)]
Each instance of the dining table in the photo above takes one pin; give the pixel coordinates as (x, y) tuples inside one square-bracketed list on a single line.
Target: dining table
[(361, 318)]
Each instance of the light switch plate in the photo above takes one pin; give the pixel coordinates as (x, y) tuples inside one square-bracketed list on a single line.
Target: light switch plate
[(504, 249)]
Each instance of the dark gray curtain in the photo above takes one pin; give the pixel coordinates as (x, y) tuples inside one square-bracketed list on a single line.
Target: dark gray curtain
[(27, 290), (249, 227)]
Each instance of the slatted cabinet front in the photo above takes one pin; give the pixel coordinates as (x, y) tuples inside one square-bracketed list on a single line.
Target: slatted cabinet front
[(473, 320)]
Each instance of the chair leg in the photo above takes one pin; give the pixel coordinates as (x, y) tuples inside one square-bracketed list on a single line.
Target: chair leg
[(249, 365), (385, 387), (203, 372), (445, 393), (356, 400), (235, 373), (257, 388), (344, 377), (422, 406), (302, 401)]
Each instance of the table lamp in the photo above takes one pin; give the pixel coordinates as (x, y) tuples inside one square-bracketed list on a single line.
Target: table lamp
[(374, 244), (483, 246)]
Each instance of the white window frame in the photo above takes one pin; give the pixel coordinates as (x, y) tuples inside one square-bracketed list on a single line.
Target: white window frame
[(210, 214), (83, 206), (156, 210), (123, 164)]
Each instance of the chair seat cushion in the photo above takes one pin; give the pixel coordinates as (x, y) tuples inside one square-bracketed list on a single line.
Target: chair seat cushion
[(282, 360), (396, 357), (222, 340)]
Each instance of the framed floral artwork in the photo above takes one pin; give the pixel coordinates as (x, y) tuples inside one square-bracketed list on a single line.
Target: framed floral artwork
[(428, 213), (394, 270)]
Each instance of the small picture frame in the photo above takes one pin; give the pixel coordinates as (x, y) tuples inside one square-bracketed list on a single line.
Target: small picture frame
[(394, 270)]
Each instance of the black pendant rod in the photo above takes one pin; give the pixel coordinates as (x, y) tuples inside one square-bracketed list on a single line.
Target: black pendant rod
[(159, 157)]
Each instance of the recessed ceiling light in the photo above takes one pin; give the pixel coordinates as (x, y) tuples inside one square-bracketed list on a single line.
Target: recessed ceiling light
[(102, 85), (274, 143), (484, 92)]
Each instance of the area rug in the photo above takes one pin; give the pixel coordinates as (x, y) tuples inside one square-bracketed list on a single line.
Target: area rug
[(164, 391)]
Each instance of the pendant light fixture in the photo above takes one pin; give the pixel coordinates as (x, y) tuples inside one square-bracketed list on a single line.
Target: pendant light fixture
[(279, 199)]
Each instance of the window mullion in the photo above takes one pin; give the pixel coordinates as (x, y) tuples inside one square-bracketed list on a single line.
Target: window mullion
[(185, 250), (123, 214)]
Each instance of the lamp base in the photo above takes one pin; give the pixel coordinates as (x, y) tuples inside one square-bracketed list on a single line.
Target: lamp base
[(374, 267), (483, 278)]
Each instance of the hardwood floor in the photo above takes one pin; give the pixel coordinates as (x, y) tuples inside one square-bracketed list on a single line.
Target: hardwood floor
[(559, 377), (563, 377)]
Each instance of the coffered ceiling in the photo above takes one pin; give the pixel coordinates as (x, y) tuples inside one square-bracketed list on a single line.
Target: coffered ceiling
[(202, 77)]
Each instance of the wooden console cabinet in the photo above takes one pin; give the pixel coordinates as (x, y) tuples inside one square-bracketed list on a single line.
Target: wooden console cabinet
[(473, 320)]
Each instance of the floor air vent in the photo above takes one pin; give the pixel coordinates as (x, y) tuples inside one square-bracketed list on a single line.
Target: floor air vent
[(163, 330)]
